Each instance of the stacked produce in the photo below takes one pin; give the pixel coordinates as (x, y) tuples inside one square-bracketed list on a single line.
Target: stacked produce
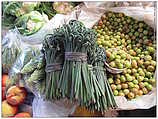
[(115, 30), (72, 78)]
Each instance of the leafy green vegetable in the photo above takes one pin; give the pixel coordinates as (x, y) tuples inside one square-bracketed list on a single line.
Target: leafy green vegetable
[(46, 8), (9, 11), (30, 23)]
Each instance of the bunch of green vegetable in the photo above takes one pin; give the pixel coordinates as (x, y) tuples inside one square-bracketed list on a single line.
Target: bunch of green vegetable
[(116, 30), (76, 80), (9, 12), (53, 51), (46, 8), (97, 73)]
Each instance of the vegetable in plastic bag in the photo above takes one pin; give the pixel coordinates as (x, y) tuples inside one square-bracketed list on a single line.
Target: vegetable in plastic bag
[(34, 73), (26, 55), (10, 50)]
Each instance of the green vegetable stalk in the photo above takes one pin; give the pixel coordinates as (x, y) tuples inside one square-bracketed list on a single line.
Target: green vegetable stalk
[(102, 78), (75, 83), (53, 52), (82, 77)]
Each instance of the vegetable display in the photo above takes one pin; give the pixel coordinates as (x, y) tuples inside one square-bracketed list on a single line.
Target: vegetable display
[(29, 17), (115, 30), (74, 65)]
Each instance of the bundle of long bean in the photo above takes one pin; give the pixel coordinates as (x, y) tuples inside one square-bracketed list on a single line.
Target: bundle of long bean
[(53, 52), (99, 103), (102, 79), (78, 81), (74, 82)]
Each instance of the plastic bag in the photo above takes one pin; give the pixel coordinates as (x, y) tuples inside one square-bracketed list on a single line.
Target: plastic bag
[(61, 108), (10, 49), (33, 74), (143, 12), (27, 53)]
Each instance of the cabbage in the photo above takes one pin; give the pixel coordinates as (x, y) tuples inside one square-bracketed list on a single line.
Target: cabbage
[(31, 22)]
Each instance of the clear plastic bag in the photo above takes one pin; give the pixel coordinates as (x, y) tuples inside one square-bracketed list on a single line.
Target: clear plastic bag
[(10, 49), (47, 109), (27, 53), (33, 74)]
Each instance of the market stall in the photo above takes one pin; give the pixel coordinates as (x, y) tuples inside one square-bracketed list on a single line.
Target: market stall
[(77, 59)]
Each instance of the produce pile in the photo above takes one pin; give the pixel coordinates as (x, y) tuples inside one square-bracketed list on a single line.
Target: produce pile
[(133, 40), (118, 58)]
